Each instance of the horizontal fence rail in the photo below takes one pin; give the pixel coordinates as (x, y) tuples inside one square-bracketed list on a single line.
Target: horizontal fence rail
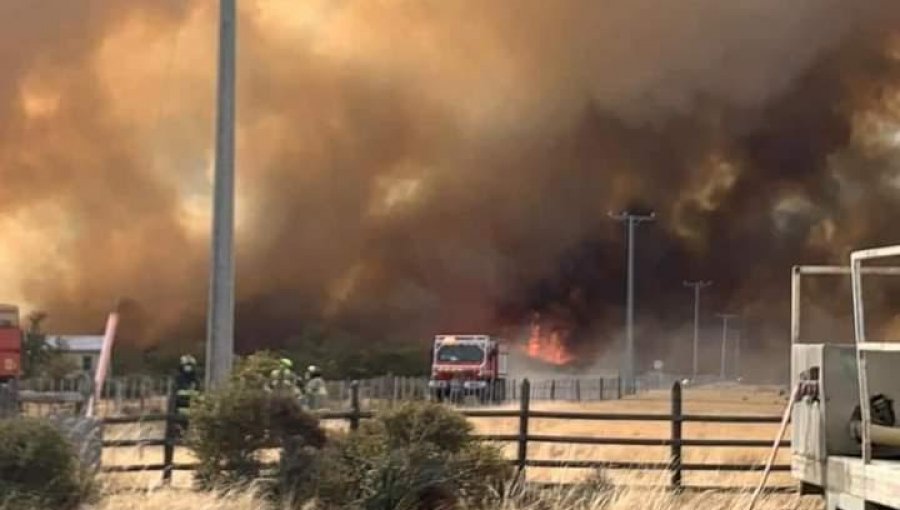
[(523, 439), (136, 395)]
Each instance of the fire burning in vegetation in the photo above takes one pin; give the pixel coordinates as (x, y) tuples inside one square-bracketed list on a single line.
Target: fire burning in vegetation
[(548, 344)]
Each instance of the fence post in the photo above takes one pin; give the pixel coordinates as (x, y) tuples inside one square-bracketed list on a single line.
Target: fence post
[(553, 389), (354, 405), (601, 389), (143, 396), (677, 420), (169, 447), (619, 388), (578, 390), (524, 406), (119, 398), (392, 385)]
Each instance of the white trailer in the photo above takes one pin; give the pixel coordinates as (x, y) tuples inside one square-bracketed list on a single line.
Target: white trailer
[(836, 449)]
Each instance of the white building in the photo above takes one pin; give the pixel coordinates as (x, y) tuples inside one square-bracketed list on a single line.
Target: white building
[(83, 349)]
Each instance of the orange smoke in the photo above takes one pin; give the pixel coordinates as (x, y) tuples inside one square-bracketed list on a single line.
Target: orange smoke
[(547, 344)]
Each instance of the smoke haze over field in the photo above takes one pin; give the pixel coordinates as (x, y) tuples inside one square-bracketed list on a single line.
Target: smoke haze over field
[(413, 166)]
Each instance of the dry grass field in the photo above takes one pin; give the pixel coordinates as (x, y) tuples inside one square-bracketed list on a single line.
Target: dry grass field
[(714, 401)]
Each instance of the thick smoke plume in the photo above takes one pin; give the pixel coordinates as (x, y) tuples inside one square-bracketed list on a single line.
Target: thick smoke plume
[(414, 166)]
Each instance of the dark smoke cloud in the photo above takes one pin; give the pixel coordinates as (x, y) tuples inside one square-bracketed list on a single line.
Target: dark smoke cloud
[(408, 167)]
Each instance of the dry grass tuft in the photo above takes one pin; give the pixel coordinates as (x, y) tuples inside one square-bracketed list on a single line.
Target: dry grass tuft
[(171, 499), (551, 499)]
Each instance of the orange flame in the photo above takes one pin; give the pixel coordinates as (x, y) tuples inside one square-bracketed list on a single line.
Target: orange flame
[(547, 346)]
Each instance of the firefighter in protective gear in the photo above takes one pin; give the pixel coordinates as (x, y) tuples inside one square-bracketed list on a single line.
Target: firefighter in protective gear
[(187, 384), (283, 379), (316, 392)]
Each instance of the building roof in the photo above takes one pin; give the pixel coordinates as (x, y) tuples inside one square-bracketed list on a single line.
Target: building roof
[(76, 343)]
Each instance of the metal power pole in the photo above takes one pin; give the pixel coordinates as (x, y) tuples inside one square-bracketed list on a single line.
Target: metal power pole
[(630, 220), (220, 326), (696, 286), (725, 317)]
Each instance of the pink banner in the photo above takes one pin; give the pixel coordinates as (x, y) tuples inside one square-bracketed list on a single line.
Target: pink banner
[(103, 364)]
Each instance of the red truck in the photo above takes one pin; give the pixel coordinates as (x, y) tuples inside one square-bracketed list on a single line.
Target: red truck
[(10, 344), (468, 365)]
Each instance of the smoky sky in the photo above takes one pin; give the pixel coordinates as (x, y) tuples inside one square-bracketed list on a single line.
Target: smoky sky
[(409, 167)]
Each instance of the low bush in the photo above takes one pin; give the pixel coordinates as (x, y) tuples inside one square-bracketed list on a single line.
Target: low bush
[(418, 457), (39, 467), (229, 427), (254, 370), (416, 423)]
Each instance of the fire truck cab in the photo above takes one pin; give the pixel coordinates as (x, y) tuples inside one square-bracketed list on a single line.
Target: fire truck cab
[(10, 344), (468, 365)]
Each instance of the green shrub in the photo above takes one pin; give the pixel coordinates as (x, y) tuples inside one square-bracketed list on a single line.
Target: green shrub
[(254, 370), (420, 456), (417, 457), (415, 423), (38, 467), (229, 427)]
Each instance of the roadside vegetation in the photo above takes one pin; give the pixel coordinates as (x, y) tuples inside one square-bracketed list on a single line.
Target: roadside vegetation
[(39, 468), (417, 456), (574, 498)]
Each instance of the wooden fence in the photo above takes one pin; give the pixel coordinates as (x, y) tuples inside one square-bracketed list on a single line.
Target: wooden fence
[(388, 389), (523, 439), (144, 395), (121, 395)]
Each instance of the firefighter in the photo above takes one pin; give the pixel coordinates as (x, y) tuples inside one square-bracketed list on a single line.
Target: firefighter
[(187, 384), (315, 389), (283, 379)]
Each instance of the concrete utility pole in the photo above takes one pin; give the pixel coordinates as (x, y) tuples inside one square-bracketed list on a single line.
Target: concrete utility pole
[(696, 286), (630, 220), (220, 326), (725, 317)]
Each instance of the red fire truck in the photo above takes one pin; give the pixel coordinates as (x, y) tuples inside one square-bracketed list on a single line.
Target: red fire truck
[(468, 365), (10, 344)]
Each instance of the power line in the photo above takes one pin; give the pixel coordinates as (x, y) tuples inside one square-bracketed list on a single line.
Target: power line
[(697, 286), (630, 220)]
